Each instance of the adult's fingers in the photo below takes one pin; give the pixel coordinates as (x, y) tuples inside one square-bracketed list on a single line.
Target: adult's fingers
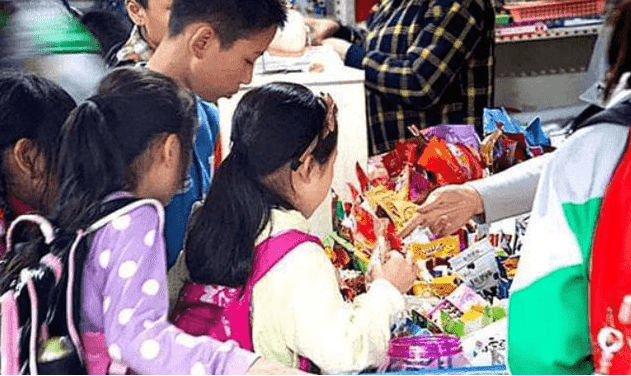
[(416, 221)]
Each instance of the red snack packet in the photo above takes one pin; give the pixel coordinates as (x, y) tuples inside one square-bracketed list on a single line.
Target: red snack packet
[(354, 192), (361, 177), (342, 258), (347, 208), (462, 237), (393, 163), (438, 159), (536, 151), (393, 238), (521, 149), (474, 160), (365, 223), (407, 151)]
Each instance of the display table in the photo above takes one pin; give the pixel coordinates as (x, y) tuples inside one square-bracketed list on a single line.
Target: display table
[(346, 86)]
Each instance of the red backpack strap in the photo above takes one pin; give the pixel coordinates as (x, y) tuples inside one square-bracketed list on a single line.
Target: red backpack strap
[(273, 249)]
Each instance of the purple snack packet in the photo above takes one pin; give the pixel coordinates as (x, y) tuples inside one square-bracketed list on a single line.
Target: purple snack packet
[(454, 134)]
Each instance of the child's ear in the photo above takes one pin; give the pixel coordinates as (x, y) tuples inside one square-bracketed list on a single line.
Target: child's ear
[(171, 151), (204, 41), (136, 12), (27, 159), (306, 170)]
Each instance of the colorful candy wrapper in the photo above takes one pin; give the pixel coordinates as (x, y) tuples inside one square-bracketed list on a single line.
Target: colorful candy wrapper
[(365, 223), (337, 211), (436, 267), (510, 266), (443, 247), (455, 134), (482, 275), (474, 160), (362, 178), (402, 183), (504, 154), (393, 238), (522, 151), (464, 297), (487, 346), (443, 286), (407, 151), (478, 268), (535, 134), (462, 160), (420, 186), (438, 159), (462, 239), (503, 288), (393, 163), (492, 117), (399, 209), (354, 192), (487, 147), (422, 289)]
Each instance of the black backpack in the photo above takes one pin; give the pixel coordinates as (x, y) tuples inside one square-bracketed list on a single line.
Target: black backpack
[(42, 306)]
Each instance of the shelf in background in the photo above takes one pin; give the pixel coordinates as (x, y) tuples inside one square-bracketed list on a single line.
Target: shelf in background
[(553, 33)]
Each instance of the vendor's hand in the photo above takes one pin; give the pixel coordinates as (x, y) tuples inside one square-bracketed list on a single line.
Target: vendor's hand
[(339, 45), (446, 210), (399, 270), (323, 28), (262, 366)]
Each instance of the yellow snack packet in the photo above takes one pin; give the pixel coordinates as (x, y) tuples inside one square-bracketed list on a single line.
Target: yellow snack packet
[(444, 286), (473, 313), (444, 247)]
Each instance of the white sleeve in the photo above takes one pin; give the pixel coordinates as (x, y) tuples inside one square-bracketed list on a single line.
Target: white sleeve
[(337, 336), (512, 191)]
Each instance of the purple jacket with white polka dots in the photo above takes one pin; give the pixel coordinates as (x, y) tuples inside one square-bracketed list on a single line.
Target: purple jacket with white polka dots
[(125, 307)]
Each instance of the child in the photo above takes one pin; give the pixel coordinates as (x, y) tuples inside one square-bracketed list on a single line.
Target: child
[(548, 322), (253, 225), (32, 111), (210, 49), (150, 18), (134, 139)]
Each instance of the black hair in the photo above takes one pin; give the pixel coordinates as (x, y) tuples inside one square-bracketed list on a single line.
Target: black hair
[(231, 19), (104, 141), (272, 127), (143, 3), (619, 53), (34, 108), (107, 27)]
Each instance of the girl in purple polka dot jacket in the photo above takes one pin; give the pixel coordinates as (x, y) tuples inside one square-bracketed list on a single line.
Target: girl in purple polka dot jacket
[(135, 139)]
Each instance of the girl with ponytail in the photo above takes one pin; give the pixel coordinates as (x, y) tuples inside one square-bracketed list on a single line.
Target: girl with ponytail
[(134, 139), (32, 111), (257, 276)]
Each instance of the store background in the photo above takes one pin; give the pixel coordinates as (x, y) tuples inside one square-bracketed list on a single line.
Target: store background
[(542, 74)]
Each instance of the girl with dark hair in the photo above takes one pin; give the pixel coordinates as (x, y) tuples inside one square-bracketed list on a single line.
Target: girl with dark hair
[(134, 139), (247, 247), (32, 111)]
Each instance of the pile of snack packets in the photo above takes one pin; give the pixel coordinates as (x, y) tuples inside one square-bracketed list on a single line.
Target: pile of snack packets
[(464, 279)]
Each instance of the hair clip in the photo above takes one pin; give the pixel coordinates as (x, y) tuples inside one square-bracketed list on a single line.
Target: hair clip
[(328, 128)]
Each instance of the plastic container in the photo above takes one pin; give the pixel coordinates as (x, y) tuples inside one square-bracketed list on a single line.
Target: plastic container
[(548, 10), (502, 19), (427, 352)]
